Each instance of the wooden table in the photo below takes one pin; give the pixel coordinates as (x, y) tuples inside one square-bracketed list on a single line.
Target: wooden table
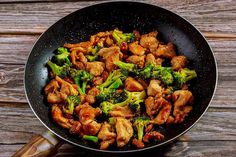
[(21, 23)]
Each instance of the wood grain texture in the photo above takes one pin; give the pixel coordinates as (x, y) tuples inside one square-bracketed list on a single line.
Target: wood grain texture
[(178, 149), (28, 18), (21, 22)]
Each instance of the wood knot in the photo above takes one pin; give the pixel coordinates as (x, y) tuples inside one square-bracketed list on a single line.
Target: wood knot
[(2, 77)]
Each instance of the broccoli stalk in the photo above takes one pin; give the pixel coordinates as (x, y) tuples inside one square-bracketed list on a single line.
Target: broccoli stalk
[(72, 101), (183, 76), (121, 37), (58, 70), (81, 78), (129, 67), (62, 56), (132, 97), (164, 74), (91, 138), (139, 124)]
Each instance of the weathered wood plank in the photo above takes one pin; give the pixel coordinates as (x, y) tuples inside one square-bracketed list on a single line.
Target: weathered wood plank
[(18, 124), (178, 149), (25, 18)]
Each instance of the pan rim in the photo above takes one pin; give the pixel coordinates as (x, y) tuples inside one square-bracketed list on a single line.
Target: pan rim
[(123, 151)]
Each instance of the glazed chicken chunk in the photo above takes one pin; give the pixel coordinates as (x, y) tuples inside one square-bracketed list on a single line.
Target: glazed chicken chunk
[(182, 99), (136, 49), (58, 90), (154, 88), (124, 131), (165, 51), (87, 114), (179, 62), (110, 55), (132, 85), (95, 68), (107, 135)]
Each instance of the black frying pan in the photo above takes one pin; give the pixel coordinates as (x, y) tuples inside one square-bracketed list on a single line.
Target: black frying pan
[(127, 16)]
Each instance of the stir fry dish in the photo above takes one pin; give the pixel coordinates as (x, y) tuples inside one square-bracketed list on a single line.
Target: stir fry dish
[(117, 88)]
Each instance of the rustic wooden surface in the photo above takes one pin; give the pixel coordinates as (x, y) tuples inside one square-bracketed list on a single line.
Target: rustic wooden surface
[(21, 23)]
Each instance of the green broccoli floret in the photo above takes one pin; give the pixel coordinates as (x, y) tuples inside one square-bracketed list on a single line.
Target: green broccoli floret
[(59, 70), (132, 97), (135, 106), (94, 53), (72, 101), (144, 73), (92, 58), (62, 56), (129, 67), (121, 37), (106, 93), (112, 77), (81, 78), (119, 96), (140, 123), (91, 138), (164, 74), (183, 76)]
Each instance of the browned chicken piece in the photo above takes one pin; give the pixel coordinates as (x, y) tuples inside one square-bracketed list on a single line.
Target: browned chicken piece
[(79, 47), (153, 135), (136, 49), (163, 114), (150, 58), (75, 60), (78, 59), (138, 60), (132, 85), (165, 51), (94, 39), (97, 80), (91, 94), (124, 131), (58, 90), (107, 135), (179, 62), (87, 114), (95, 68), (58, 117), (154, 88), (110, 55), (138, 144), (109, 41), (118, 111), (75, 128), (149, 41), (181, 98), (104, 75), (82, 58), (153, 105), (93, 91)]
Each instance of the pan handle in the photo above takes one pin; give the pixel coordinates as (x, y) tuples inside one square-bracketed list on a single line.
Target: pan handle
[(40, 146)]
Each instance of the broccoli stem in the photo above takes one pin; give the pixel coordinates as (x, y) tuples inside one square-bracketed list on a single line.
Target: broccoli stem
[(140, 132), (91, 138)]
